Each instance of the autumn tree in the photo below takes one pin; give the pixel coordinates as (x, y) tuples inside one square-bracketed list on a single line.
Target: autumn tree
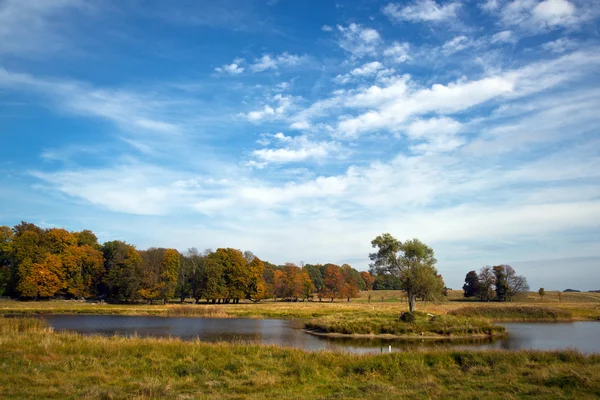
[(542, 293), (288, 283), (28, 254), (351, 282), (334, 282), (44, 278), (303, 281), (169, 269), (368, 279), (257, 287), (412, 262), (471, 286)]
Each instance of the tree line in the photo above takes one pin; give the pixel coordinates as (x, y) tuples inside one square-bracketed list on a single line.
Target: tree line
[(500, 283), (43, 263)]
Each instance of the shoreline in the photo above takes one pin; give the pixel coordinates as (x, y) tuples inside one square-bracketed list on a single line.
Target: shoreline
[(389, 336)]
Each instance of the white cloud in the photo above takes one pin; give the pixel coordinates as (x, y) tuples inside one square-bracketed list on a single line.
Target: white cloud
[(367, 69), (131, 188), (398, 52), (389, 107), (503, 37), (555, 12), (135, 112), (490, 5), (326, 28), (267, 62), (300, 125), (31, 27), (234, 68), (436, 134), (358, 40), (294, 149), (457, 44), (560, 45), (261, 114), (422, 11), (538, 17), (282, 103)]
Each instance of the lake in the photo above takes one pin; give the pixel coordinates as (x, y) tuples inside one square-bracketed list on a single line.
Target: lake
[(582, 336)]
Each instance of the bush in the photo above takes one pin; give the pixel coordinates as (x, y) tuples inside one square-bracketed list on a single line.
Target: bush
[(408, 317)]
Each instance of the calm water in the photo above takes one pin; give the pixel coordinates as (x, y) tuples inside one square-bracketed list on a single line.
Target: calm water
[(582, 336)]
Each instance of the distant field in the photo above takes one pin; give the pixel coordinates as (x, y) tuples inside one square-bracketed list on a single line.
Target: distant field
[(583, 306)]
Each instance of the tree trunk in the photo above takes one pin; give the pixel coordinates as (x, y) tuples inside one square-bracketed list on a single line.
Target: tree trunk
[(412, 300)]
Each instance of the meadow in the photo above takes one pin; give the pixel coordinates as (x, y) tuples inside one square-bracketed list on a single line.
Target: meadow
[(39, 363), (572, 306)]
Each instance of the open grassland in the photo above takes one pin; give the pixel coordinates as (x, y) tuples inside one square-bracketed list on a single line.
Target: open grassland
[(581, 306), (38, 363), (428, 326)]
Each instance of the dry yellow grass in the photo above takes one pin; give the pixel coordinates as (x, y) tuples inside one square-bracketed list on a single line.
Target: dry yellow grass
[(583, 306)]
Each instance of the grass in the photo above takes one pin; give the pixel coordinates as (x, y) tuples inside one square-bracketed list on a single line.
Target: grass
[(442, 326), (38, 363), (582, 306), (516, 313)]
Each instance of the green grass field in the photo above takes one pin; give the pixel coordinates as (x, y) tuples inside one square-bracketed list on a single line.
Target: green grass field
[(38, 363)]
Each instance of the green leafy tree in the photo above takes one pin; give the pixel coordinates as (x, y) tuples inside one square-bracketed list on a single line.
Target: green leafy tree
[(123, 265), (471, 286), (485, 285), (412, 262), (7, 264), (508, 283), (212, 280), (314, 272), (501, 283)]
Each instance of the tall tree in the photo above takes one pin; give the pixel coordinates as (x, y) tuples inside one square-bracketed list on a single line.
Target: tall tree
[(412, 262), (516, 283), (334, 282), (502, 290), (471, 286), (123, 270), (351, 282), (485, 284), (257, 288), (7, 264), (169, 269), (314, 271), (368, 279)]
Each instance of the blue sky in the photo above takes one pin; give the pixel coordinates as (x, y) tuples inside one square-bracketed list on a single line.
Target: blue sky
[(301, 130)]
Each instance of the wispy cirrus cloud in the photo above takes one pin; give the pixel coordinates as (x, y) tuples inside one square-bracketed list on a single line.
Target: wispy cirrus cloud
[(422, 11)]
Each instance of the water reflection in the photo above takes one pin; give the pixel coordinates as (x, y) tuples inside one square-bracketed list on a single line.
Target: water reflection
[(578, 335)]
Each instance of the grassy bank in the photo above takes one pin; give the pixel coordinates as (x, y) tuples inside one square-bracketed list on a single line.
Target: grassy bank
[(392, 304), (516, 313), (38, 363), (442, 326)]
